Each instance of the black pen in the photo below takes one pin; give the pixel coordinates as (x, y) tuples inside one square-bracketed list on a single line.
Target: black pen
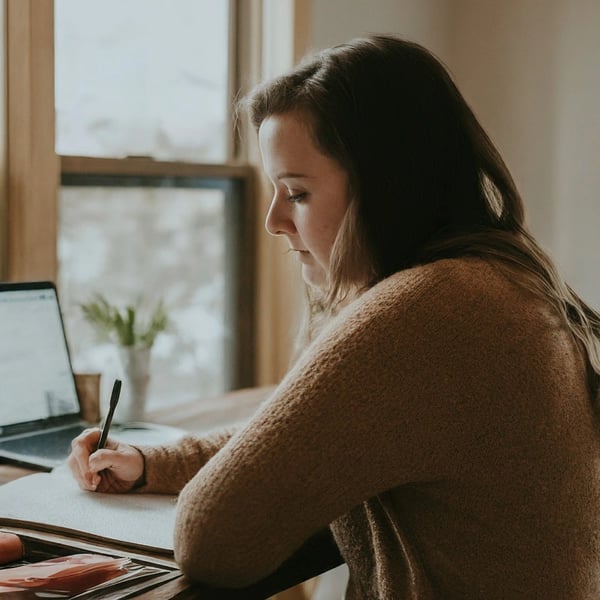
[(114, 399)]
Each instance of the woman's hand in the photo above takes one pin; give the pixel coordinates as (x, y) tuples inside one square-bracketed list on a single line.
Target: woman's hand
[(115, 468)]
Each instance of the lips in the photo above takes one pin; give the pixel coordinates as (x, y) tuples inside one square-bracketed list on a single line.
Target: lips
[(302, 255)]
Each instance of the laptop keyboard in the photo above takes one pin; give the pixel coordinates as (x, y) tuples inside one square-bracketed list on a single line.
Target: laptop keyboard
[(55, 444)]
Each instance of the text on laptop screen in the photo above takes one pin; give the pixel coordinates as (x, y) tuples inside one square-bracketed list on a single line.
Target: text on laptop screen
[(36, 381)]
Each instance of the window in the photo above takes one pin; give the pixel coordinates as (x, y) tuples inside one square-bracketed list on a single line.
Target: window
[(142, 77), (265, 37), (142, 104)]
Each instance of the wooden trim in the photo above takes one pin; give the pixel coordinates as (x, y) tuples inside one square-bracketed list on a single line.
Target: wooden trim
[(33, 169), (241, 239), (3, 146), (147, 166), (247, 30)]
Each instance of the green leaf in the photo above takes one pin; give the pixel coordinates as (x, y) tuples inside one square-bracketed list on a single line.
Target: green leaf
[(122, 325)]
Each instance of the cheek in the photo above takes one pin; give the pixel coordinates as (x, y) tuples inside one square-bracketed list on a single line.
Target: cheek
[(320, 239), (319, 231), (332, 222)]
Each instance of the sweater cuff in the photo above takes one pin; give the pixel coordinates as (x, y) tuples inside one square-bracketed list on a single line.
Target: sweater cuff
[(169, 467)]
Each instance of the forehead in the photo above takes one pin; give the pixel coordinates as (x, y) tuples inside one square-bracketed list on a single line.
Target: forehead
[(286, 138), (284, 129)]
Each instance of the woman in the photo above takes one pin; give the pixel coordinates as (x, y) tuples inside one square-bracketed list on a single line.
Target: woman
[(440, 421)]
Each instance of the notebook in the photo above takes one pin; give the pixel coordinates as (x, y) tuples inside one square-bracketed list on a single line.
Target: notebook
[(39, 407), (144, 522)]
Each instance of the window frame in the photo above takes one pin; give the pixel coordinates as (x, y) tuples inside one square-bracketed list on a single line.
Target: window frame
[(32, 165)]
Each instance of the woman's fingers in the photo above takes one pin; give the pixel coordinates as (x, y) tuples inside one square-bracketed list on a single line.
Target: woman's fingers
[(81, 448), (109, 482), (114, 468), (119, 465)]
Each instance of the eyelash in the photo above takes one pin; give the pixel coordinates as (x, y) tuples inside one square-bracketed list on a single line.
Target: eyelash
[(297, 197)]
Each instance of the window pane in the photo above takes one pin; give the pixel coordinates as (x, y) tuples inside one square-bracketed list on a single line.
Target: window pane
[(142, 77), (149, 243)]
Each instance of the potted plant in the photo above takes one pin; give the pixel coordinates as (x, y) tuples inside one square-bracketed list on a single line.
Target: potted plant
[(134, 337)]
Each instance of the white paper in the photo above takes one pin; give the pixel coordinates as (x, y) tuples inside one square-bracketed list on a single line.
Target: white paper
[(55, 503)]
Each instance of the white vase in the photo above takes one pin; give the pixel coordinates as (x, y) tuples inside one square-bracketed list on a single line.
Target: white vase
[(136, 375)]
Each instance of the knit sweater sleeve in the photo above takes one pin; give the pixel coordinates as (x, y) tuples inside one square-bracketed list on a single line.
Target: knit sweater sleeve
[(169, 467), (371, 405)]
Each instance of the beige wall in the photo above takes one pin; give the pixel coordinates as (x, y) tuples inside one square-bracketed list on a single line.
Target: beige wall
[(503, 56), (577, 155), (530, 70), (424, 21)]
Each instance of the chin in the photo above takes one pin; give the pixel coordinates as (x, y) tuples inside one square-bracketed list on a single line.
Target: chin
[(315, 277)]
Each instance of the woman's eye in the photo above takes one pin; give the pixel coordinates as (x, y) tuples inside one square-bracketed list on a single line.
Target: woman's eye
[(296, 197)]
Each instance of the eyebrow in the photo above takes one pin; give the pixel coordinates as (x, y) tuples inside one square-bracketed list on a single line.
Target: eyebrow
[(291, 175)]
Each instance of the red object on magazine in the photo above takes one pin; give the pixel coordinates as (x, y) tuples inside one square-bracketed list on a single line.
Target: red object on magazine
[(11, 547), (73, 574)]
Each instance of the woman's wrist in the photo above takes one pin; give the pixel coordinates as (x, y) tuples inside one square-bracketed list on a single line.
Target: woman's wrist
[(141, 480)]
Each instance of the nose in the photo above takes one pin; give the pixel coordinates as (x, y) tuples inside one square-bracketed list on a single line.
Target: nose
[(279, 220)]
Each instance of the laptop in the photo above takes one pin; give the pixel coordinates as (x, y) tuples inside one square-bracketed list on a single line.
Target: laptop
[(39, 406)]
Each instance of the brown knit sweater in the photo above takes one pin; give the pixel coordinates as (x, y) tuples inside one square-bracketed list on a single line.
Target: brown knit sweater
[(440, 425)]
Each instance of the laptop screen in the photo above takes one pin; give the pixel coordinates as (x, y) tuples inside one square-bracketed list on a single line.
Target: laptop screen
[(36, 380)]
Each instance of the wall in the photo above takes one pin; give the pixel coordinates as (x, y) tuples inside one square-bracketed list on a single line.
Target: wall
[(577, 159), (423, 21), (529, 69), (504, 56), (531, 72)]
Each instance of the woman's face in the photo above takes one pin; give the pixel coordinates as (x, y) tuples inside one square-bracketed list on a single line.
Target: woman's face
[(311, 193)]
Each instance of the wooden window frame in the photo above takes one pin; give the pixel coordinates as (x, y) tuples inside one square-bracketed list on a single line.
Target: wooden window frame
[(32, 164)]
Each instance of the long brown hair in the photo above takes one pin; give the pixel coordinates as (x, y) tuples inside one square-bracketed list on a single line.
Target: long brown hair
[(426, 182)]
